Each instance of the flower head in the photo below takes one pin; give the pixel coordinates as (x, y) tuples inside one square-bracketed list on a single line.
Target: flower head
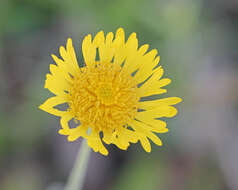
[(106, 97)]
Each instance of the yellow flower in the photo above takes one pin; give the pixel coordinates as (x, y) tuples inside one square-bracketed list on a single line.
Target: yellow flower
[(105, 97)]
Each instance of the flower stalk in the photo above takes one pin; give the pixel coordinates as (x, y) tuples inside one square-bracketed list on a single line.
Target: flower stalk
[(78, 173)]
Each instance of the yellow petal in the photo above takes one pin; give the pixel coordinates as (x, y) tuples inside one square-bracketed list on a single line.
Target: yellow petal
[(154, 84), (71, 54), (94, 141), (57, 85), (63, 132), (164, 82), (121, 137), (99, 39), (134, 60), (75, 134), (119, 46), (156, 76), (142, 50), (138, 60), (60, 73), (127, 135), (50, 103), (152, 91), (64, 120), (155, 139), (152, 104), (144, 131), (120, 36), (109, 38), (107, 135), (163, 111), (106, 50), (145, 144), (89, 50), (72, 133), (155, 125), (64, 66), (132, 42), (56, 72), (147, 64), (120, 144), (132, 55)]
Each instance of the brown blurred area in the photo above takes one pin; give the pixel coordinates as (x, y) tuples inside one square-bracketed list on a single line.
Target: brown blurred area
[(198, 44)]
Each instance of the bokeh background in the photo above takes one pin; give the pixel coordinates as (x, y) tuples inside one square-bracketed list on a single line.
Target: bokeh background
[(198, 44)]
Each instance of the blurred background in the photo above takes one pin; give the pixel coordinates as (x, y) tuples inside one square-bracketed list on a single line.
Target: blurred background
[(198, 44)]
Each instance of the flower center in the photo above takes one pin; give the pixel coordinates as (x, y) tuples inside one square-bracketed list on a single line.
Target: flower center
[(105, 93), (103, 97)]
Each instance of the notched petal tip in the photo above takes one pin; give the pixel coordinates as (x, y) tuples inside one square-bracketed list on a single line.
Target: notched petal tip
[(109, 37), (47, 76)]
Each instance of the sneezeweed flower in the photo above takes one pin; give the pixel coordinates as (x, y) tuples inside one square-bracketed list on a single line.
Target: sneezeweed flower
[(106, 96)]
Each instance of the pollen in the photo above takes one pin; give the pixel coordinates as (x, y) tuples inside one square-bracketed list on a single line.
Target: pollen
[(103, 98)]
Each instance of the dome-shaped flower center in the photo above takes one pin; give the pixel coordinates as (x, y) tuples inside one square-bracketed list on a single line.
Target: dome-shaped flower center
[(103, 97), (105, 93)]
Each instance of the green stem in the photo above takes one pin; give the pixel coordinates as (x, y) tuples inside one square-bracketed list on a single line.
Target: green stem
[(78, 173)]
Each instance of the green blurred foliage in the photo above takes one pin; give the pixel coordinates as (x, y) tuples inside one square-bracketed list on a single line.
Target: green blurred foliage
[(18, 17)]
